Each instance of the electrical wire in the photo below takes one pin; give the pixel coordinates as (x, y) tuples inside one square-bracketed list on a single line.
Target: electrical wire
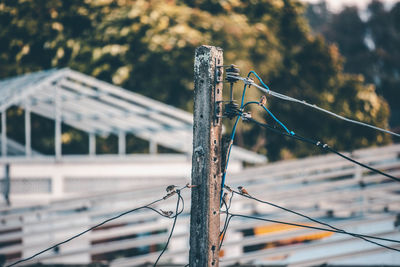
[(226, 223), (222, 233), (270, 113), (243, 94), (313, 220), (173, 225), (333, 229), (100, 224), (246, 83), (289, 133), (259, 79), (266, 89), (319, 228), (232, 137), (229, 218), (322, 146)]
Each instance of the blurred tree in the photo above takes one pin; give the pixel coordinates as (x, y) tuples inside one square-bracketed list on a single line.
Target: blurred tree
[(38, 35), (350, 31), (318, 16), (370, 46), (384, 30), (312, 70), (148, 47)]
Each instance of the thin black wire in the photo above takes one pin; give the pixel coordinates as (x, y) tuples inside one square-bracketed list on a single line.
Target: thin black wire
[(227, 220), (326, 147), (319, 228), (227, 206), (98, 225), (223, 232), (183, 202), (315, 220), (322, 146), (230, 200), (180, 198), (226, 217), (333, 229), (229, 217), (88, 230), (266, 89)]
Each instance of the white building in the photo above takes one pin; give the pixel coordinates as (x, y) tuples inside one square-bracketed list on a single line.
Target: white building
[(98, 109)]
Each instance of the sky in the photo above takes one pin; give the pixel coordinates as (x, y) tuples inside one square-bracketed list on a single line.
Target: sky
[(336, 5)]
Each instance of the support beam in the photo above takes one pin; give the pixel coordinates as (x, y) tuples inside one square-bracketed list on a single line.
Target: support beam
[(28, 132), (206, 159), (92, 144), (121, 143), (4, 133), (152, 147), (57, 107), (7, 184)]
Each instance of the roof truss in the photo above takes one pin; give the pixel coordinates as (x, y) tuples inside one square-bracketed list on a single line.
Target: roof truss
[(97, 107)]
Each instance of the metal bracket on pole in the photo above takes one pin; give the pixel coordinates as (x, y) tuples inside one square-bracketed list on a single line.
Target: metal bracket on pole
[(218, 80)]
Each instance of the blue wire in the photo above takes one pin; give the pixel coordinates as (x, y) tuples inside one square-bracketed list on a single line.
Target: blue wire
[(258, 77), (250, 102), (244, 92), (227, 158), (231, 140), (242, 105), (234, 128), (272, 115), (284, 127), (245, 86)]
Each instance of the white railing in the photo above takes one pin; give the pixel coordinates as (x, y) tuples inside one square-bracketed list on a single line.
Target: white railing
[(43, 179)]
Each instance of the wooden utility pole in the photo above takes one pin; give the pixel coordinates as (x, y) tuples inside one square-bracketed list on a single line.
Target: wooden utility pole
[(206, 159)]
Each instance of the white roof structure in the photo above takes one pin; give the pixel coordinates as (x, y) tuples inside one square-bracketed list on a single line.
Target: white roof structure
[(16, 149), (100, 108)]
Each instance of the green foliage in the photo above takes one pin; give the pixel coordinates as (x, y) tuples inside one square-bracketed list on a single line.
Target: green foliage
[(148, 47), (40, 34)]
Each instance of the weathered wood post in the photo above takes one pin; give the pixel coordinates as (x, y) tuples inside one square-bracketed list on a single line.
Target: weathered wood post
[(206, 158)]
